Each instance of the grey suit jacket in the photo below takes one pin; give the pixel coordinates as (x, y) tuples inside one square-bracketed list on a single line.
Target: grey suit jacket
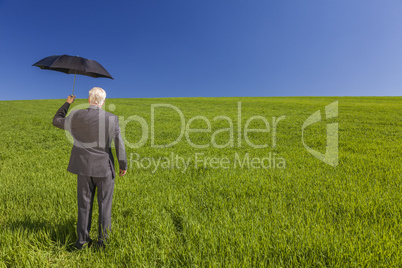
[(93, 131)]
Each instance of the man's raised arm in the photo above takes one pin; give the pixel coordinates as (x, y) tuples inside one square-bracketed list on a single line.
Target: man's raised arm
[(60, 116)]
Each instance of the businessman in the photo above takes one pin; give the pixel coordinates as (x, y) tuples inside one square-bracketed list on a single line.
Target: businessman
[(92, 160)]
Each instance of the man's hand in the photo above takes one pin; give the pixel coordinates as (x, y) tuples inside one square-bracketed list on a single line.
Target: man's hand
[(70, 99), (122, 172)]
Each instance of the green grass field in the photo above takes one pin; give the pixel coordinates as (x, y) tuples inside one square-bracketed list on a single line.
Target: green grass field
[(301, 212)]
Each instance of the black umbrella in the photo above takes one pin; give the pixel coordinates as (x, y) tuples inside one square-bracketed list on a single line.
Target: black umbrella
[(73, 65)]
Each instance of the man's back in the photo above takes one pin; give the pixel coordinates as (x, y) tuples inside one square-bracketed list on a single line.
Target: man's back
[(93, 131)]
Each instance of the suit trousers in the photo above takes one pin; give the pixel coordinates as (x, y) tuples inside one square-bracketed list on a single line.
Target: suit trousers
[(86, 187)]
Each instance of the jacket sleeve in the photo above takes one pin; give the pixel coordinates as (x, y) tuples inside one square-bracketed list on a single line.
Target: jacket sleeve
[(59, 120), (119, 146)]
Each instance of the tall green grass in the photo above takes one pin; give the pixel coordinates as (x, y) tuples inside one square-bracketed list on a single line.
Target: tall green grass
[(306, 214)]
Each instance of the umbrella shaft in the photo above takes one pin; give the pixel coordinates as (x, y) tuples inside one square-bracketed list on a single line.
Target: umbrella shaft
[(75, 73)]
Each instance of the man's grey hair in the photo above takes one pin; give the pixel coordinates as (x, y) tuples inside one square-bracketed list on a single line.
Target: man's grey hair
[(97, 96)]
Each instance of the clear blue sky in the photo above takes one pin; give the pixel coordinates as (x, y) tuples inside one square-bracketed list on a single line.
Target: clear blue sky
[(209, 48)]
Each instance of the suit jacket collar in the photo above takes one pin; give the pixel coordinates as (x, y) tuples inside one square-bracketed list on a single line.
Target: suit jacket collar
[(94, 107)]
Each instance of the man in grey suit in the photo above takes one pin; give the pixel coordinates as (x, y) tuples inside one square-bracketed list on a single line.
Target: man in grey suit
[(92, 160)]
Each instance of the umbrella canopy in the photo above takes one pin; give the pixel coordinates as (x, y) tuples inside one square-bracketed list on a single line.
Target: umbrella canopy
[(73, 65)]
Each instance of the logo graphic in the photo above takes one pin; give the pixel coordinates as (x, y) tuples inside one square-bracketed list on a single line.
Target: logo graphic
[(331, 153)]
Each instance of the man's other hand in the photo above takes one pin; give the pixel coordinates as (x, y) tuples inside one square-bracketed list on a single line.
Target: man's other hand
[(70, 99), (122, 172)]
